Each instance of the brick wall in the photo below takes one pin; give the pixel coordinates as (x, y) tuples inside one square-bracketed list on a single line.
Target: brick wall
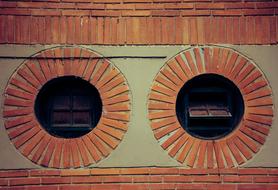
[(140, 178), (139, 22)]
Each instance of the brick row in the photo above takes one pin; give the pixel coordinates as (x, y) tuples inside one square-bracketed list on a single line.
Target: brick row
[(138, 177), (86, 29), (122, 5), (137, 172)]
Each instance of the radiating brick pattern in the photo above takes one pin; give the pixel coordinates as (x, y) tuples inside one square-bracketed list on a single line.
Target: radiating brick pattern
[(140, 178), (227, 152), (33, 141)]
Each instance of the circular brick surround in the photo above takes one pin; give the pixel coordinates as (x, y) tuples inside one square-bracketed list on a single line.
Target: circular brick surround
[(243, 142), (29, 137)]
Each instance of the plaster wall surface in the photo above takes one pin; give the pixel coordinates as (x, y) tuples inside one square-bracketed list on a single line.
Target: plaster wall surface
[(139, 147)]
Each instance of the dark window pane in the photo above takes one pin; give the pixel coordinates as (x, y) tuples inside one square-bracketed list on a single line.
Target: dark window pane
[(68, 107), (61, 118), (209, 106), (81, 118), (81, 102), (61, 102)]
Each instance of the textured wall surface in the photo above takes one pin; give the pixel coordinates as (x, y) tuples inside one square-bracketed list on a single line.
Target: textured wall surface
[(139, 146), (139, 22), (139, 37)]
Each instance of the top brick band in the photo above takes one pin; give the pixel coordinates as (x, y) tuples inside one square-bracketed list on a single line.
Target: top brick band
[(138, 30), (229, 151), (29, 137)]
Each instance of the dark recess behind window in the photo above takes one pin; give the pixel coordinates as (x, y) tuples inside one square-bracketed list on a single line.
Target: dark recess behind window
[(68, 107), (209, 106)]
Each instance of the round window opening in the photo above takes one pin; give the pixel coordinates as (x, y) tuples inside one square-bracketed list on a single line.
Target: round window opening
[(68, 107), (209, 106)]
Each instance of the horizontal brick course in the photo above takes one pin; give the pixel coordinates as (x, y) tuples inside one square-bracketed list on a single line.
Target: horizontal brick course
[(149, 178), (54, 22)]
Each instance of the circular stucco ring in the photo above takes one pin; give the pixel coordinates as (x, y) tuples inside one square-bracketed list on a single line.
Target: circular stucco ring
[(238, 146), (30, 138)]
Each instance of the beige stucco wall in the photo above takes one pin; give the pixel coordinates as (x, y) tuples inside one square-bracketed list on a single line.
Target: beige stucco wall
[(139, 147)]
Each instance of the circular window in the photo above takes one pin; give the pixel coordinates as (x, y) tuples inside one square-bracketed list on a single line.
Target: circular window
[(209, 106), (68, 107)]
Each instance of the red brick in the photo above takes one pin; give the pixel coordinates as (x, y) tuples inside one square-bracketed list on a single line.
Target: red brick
[(56, 180), (85, 37), (260, 5), (162, 186), (252, 171), (209, 6), (257, 12), (89, 6), (207, 179), (229, 171), (177, 179), (57, 154), (104, 171), (92, 148), (165, 13), (55, 29), (75, 187), (221, 186), (106, 186), (252, 187), (41, 148), (106, 138), (266, 179), (86, 179), (236, 37), (63, 30), (41, 29), (75, 172), (163, 171), (48, 187), (15, 12), (179, 6), (21, 129), (45, 12), (273, 171), (24, 181), (4, 4), (70, 30), (136, 13), (193, 31), (134, 186), (227, 12), (75, 12), (44, 172), (20, 94), (108, 13), (137, 1), (147, 179), (32, 143), (240, 5), (31, 4), (10, 30), (117, 179), (237, 179), (3, 182), (195, 13), (18, 121), (133, 171)]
